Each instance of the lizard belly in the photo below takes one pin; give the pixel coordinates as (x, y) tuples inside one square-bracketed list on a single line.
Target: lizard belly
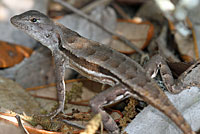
[(94, 75)]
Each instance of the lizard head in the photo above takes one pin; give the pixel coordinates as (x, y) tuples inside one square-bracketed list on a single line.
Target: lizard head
[(37, 25)]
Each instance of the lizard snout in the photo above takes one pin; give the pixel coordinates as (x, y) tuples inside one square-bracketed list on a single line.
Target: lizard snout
[(15, 20)]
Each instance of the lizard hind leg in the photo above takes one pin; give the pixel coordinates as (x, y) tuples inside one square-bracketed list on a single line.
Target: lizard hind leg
[(158, 64), (105, 98), (170, 83), (189, 78)]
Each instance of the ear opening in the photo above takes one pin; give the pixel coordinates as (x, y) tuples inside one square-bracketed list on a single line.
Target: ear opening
[(59, 39)]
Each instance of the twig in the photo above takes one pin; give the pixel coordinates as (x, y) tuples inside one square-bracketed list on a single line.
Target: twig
[(54, 84), (24, 131), (73, 124), (120, 11), (121, 38), (76, 125), (88, 8)]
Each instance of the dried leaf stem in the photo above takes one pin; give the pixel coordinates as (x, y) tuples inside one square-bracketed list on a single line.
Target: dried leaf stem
[(22, 128)]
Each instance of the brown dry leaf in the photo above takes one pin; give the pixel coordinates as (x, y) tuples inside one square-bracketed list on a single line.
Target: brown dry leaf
[(139, 33), (11, 54), (93, 125), (9, 124), (55, 10), (187, 46), (33, 71)]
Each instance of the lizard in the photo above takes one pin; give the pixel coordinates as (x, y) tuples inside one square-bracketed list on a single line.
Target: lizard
[(100, 63)]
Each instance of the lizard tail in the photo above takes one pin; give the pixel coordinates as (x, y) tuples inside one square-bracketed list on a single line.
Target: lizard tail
[(160, 101), (168, 109)]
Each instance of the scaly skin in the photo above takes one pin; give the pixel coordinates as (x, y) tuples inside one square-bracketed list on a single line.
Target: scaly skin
[(97, 62)]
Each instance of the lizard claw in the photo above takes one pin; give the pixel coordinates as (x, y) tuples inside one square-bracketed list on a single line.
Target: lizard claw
[(56, 112)]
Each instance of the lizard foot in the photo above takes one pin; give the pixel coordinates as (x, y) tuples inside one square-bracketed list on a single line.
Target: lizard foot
[(54, 113)]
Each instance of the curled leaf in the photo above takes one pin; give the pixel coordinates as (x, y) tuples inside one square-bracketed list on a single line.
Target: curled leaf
[(93, 125), (11, 54)]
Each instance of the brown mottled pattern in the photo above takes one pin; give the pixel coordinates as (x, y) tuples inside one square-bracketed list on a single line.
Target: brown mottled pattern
[(90, 66), (119, 65), (99, 58)]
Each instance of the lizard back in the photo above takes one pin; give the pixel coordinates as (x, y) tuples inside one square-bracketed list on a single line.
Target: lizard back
[(126, 71)]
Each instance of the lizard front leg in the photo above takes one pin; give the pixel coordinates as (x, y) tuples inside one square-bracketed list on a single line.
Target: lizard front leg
[(108, 97), (60, 84)]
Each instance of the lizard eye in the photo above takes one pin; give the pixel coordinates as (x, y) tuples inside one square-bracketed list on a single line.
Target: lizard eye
[(33, 20)]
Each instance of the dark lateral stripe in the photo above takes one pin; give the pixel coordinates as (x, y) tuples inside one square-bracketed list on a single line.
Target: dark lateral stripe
[(93, 67), (84, 63)]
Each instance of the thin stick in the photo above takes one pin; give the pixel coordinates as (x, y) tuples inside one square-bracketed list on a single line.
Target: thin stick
[(121, 38), (23, 129), (88, 8), (120, 11), (73, 124)]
